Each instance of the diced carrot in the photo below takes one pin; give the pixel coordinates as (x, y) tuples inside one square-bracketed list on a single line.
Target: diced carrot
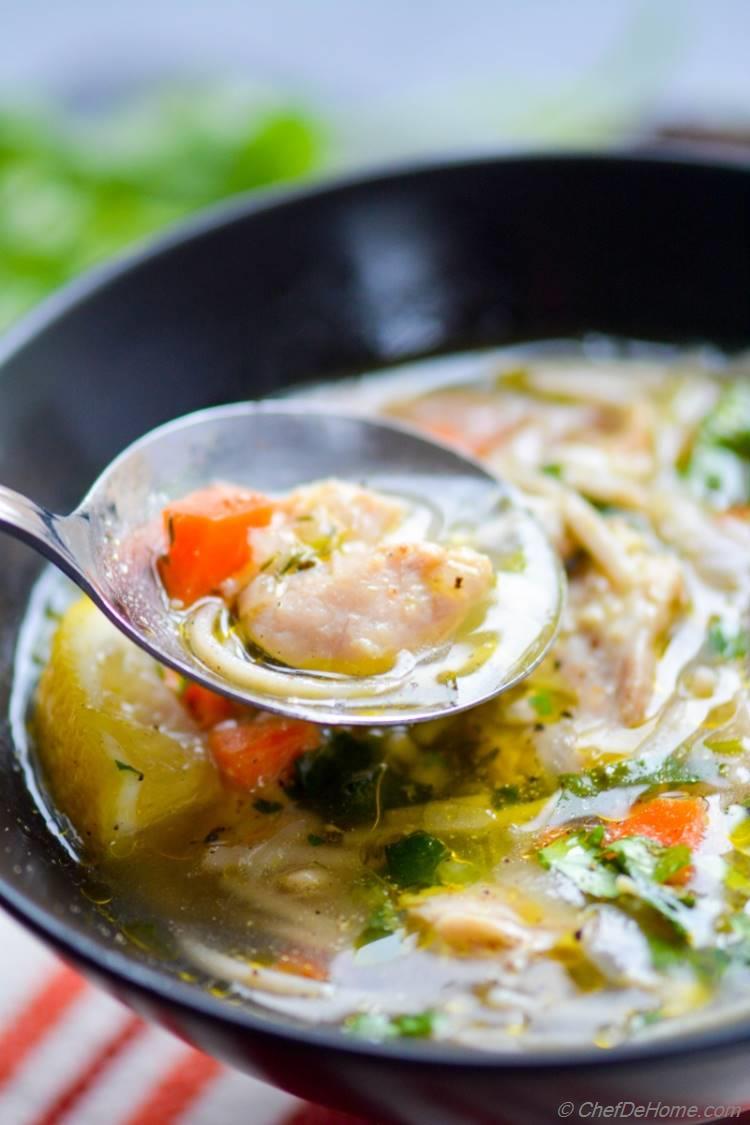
[(208, 539), (300, 966), (207, 707), (262, 749), (666, 820), (736, 512), (453, 435)]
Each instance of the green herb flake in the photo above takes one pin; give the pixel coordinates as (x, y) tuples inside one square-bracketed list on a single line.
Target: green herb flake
[(579, 859), (728, 746), (632, 865), (413, 860), (725, 645), (347, 782), (671, 862), (629, 772), (707, 964), (125, 768), (541, 701), (728, 424), (718, 469), (303, 559), (418, 1026), (267, 807), (379, 1027), (533, 789), (315, 841), (552, 470), (514, 562), (383, 921)]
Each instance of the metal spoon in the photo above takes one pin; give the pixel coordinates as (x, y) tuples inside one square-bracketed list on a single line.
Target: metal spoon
[(273, 448)]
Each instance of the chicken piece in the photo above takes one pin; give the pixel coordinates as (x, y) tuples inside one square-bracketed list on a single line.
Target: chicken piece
[(472, 418), (480, 919), (583, 524), (716, 544), (315, 520), (616, 944), (595, 536), (342, 509), (607, 386), (625, 628), (356, 612), (593, 472), (649, 609)]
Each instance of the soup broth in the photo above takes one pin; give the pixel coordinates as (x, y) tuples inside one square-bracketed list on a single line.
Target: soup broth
[(568, 863)]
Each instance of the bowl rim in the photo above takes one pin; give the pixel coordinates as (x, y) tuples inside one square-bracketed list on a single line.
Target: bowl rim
[(143, 978)]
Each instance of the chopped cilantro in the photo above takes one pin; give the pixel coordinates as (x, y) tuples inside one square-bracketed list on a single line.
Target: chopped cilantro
[(533, 789), (719, 465), (633, 771), (125, 768), (301, 559), (739, 945), (264, 806), (727, 646), (708, 964), (728, 424), (347, 781), (413, 860), (578, 857), (418, 1026), (631, 865), (671, 862), (643, 857), (315, 841), (383, 920), (612, 775), (552, 470), (377, 1026), (541, 701)]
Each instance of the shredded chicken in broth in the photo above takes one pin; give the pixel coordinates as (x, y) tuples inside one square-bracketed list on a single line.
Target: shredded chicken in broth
[(569, 863)]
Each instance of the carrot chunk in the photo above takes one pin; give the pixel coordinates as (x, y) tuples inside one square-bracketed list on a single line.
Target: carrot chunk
[(666, 820), (302, 966), (207, 707), (454, 435), (260, 750), (208, 539)]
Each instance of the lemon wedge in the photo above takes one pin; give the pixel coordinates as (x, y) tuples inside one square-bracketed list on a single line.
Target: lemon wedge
[(119, 752)]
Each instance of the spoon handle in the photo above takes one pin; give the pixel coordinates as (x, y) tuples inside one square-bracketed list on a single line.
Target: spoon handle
[(37, 526)]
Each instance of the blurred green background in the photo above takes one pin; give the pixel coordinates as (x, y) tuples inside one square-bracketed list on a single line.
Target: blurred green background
[(73, 193), (118, 121)]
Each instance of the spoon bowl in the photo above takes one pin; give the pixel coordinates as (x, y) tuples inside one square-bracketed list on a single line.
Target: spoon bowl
[(106, 546)]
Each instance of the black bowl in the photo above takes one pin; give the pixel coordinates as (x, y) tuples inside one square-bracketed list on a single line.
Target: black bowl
[(317, 285)]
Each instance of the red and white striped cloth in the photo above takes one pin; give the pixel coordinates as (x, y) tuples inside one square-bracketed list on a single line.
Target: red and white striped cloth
[(71, 1055)]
